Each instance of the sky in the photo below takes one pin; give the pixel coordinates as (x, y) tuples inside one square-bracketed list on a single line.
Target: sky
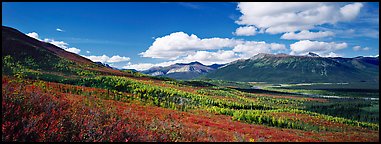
[(140, 35)]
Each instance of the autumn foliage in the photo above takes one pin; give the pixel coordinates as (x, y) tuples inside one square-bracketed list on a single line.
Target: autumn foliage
[(52, 112)]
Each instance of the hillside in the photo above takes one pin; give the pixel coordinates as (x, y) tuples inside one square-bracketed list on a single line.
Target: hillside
[(282, 68), (39, 59), (50, 95)]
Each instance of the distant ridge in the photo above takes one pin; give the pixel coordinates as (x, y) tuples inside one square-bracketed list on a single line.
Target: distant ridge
[(308, 68), (182, 70)]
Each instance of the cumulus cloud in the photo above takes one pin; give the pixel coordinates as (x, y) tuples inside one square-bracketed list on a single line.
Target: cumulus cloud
[(245, 31), (180, 47), (33, 35), (60, 30), (180, 44), (321, 48), (146, 66), (60, 44), (205, 57), (73, 50), (139, 66), (209, 58), (332, 54), (350, 11), (306, 35), (118, 58), (358, 48), (251, 48), (107, 59), (283, 17)]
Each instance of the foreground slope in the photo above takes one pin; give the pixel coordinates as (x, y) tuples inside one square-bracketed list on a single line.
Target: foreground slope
[(135, 111)]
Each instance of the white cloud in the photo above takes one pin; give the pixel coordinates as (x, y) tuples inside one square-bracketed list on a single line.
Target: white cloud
[(60, 30), (372, 33), (320, 48), (209, 58), (146, 66), (180, 44), (306, 35), (280, 17), (350, 11), (73, 50), (245, 31), (139, 66), (251, 48), (205, 57), (60, 44), (353, 33), (332, 54), (180, 47), (107, 59), (358, 48), (372, 55), (64, 45), (118, 58), (33, 35)]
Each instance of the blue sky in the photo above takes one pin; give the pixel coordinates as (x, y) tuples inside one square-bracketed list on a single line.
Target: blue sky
[(142, 35)]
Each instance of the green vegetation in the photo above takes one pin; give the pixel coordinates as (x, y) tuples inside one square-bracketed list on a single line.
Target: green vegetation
[(244, 106), (361, 110), (193, 83), (50, 95)]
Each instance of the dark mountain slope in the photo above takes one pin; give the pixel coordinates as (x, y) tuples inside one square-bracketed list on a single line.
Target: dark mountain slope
[(35, 55)]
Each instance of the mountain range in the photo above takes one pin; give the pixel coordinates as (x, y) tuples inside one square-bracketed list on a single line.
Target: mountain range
[(182, 70), (41, 58), (309, 68)]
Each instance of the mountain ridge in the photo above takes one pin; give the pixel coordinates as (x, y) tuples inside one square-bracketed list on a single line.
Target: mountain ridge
[(46, 58), (182, 70), (293, 68)]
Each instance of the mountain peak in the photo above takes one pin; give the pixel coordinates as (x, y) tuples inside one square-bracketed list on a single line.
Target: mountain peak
[(282, 54), (260, 55), (311, 54), (183, 70), (195, 62), (192, 63)]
